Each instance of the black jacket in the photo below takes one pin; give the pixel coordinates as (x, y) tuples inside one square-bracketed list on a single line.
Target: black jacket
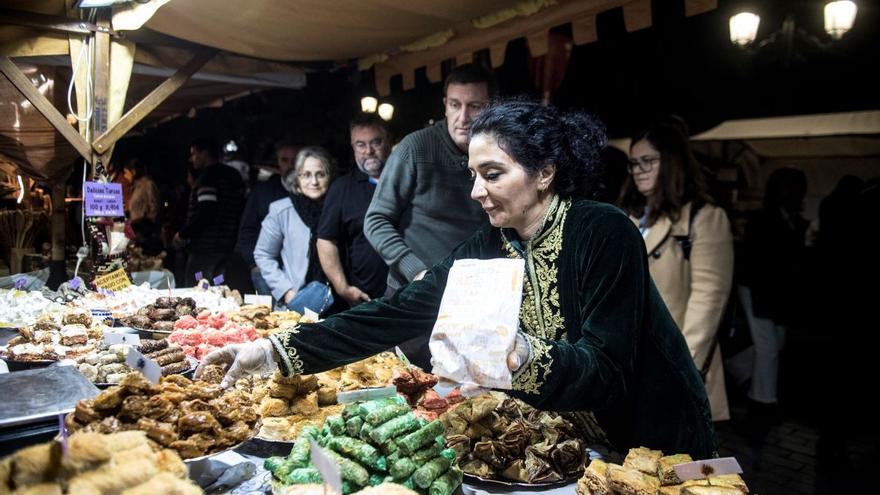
[(215, 205)]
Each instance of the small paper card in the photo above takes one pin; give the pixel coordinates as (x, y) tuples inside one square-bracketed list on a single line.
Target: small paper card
[(20, 282), (477, 323), (709, 467), (113, 281), (402, 356), (259, 300), (218, 280), (132, 339), (74, 283), (145, 365), (328, 468), (311, 314), (103, 200)]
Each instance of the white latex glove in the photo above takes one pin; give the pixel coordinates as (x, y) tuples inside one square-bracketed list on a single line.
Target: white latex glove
[(520, 355), (242, 359), (420, 275)]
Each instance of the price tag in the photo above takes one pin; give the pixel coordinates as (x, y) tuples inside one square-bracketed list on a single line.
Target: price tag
[(19, 283), (74, 283), (328, 468), (218, 280), (145, 365), (198, 276), (257, 299), (111, 338), (402, 356), (709, 467), (115, 280), (103, 200), (311, 314)]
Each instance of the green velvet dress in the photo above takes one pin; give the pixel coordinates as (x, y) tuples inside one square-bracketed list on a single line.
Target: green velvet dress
[(601, 338)]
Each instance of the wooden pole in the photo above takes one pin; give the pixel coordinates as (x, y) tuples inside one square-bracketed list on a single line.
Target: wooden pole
[(101, 78)]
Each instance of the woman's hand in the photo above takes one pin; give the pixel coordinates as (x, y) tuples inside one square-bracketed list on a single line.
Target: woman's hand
[(520, 355), (241, 359), (288, 296)]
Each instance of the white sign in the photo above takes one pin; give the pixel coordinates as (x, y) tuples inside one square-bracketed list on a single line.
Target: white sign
[(704, 469), (311, 314), (477, 323), (327, 467), (111, 338), (145, 365), (257, 299)]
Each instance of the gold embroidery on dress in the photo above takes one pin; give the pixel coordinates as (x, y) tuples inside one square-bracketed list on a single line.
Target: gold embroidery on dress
[(288, 353), (541, 312)]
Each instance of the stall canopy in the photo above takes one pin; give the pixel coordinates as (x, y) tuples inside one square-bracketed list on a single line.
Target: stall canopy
[(225, 48)]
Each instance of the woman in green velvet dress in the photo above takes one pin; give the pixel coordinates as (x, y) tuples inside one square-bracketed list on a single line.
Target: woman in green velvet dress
[(595, 338)]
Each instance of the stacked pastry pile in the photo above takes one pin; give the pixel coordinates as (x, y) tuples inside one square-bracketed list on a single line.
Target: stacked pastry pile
[(375, 442), (20, 308), (265, 320), (107, 365), (125, 463), (124, 302), (289, 404), (497, 437), (162, 314), (47, 340), (416, 386), (646, 471), (193, 418), (206, 332)]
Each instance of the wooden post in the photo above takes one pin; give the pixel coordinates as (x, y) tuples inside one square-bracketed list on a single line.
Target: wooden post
[(101, 79)]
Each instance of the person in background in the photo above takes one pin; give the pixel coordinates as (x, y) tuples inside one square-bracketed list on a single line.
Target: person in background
[(145, 196), (286, 251), (257, 207), (595, 341), (216, 200), (689, 243), (352, 266), (421, 209), (771, 291)]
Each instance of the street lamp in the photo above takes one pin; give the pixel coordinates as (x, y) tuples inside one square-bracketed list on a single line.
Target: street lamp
[(369, 104), (839, 18), (386, 111)]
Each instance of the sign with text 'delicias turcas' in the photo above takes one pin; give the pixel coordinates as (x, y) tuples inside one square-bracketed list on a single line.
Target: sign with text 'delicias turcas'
[(103, 199)]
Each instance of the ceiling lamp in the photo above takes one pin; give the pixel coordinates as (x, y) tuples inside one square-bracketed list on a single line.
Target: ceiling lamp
[(744, 28), (369, 104), (386, 111), (839, 17)]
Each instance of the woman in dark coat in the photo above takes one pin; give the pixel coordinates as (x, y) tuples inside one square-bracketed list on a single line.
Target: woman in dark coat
[(594, 337)]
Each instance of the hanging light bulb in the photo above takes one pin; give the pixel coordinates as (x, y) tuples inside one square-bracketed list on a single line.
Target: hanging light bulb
[(744, 28), (369, 104), (386, 111), (20, 190), (839, 17)]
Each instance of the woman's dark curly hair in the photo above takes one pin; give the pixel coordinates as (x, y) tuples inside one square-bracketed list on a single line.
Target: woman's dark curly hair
[(536, 136)]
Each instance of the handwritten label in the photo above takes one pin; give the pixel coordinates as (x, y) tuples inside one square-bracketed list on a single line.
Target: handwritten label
[(328, 468), (113, 281), (218, 280), (111, 338), (103, 200), (137, 361), (704, 469), (257, 299), (19, 283)]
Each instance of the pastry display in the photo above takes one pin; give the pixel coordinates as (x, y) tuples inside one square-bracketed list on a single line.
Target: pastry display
[(498, 437), (265, 320), (206, 332), (107, 365), (20, 308), (417, 387), (125, 463), (162, 314), (289, 404), (192, 418), (375, 442), (649, 472), (47, 340)]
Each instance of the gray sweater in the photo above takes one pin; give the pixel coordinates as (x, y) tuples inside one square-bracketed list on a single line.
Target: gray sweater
[(422, 208)]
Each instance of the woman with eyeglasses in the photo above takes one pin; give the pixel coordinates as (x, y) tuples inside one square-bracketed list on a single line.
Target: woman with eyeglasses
[(286, 250), (688, 240)]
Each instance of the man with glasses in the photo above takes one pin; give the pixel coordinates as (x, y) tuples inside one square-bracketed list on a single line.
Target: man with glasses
[(352, 266)]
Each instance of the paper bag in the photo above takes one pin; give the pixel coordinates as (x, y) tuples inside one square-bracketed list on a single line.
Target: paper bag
[(477, 323)]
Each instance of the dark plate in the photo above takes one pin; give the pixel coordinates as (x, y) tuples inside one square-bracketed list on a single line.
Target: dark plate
[(14, 365), (471, 479), (152, 333)]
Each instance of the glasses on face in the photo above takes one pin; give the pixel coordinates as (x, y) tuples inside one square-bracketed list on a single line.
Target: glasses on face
[(320, 175), (643, 164)]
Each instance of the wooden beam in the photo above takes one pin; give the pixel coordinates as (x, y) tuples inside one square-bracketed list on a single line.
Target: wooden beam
[(45, 107), (131, 118), (50, 22)]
